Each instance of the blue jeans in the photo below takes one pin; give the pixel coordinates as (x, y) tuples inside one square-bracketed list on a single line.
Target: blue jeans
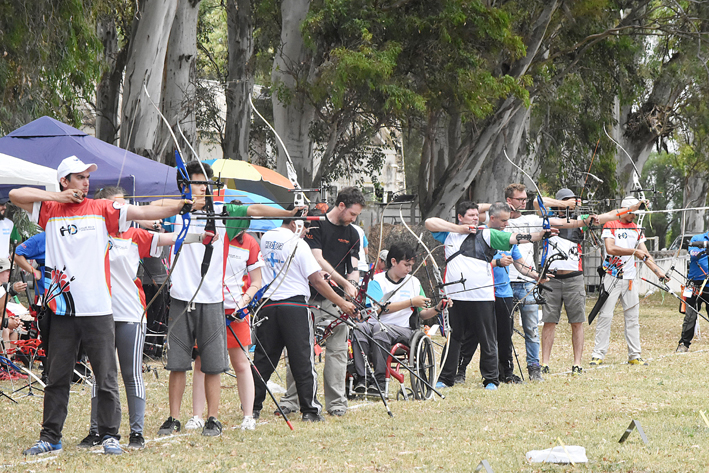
[(530, 316)]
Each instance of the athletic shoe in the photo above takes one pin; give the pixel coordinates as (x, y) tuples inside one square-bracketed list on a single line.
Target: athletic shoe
[(491, 387), (194, 423), (312, 417), (577, 370), (373, 390), (535, 373), (360, 388), (638, 361), (334, 412), (286, 410), (169, 427), (596, 361), (459, 379), (136, 440), (89, 441), (441, 385), (513, 379), (682, 348), (43, 447), (257, 415), (213, 428), (545, 369), (249, 423), (111, 446)]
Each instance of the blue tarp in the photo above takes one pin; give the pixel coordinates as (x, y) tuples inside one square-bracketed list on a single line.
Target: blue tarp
[(47, 142)]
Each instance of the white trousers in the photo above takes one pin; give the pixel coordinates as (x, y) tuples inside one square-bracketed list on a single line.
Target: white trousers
[(627, 292)]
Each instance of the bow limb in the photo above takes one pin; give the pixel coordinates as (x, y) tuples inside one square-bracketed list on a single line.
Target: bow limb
[(636, 174), (441, 289), (298, 195)]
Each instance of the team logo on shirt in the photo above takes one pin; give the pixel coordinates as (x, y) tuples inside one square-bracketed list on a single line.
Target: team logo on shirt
[(68, 230), (342, 240), (58, 292)]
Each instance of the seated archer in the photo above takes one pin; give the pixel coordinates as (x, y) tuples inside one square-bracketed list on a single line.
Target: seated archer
[(400, 301)]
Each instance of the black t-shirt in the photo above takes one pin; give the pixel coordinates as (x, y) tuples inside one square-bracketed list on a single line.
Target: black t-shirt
[(338, 244)]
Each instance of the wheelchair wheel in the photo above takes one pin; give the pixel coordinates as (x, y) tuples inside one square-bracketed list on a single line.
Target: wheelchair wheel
[(422, 360), (400, 395)]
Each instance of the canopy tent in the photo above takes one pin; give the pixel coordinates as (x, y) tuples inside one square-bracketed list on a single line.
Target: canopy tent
[(47, 142), (17, 173)]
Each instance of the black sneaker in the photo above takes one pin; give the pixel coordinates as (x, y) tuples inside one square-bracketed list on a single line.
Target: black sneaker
[(257, 414), (89, 441), (459, 379), (535, 373), (136, 440), (360, 388), (169, 427), (372, 390), (212, 428), (513, 379), (286, 410), (312, 417)]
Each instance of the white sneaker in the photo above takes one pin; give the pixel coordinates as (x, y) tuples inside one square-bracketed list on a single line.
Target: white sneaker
[(249, 423), (194, 423)]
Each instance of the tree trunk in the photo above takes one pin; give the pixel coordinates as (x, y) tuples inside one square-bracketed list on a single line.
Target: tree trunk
[(178, 99), (139, 119), (476, 147), (293, 65), (639, 129), (109, 87), (695, 195), (240, 80), (489, 185)]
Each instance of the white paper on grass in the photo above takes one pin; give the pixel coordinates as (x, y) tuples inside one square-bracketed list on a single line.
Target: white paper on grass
[(558, 455)]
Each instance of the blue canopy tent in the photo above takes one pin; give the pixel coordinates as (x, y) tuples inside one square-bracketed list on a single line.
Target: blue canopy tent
[(47, 142)]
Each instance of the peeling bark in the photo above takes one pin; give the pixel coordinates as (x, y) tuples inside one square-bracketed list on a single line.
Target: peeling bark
[(178, 97), (293, 65), (145, 66), (109, 87), (240, 80)]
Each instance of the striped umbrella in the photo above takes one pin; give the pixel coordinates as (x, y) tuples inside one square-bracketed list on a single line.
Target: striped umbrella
[(242, 176), (228, 195)]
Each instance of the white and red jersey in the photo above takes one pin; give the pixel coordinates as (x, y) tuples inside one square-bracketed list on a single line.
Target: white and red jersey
[(125, 251), (241, 258), (625, 235), (77, 264), (186, 274)]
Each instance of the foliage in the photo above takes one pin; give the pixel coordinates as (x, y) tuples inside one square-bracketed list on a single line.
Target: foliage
[(49, 60), (379, 65), (663, 172)]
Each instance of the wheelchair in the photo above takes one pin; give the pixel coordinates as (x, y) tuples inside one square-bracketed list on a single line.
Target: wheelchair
[(417, 355)]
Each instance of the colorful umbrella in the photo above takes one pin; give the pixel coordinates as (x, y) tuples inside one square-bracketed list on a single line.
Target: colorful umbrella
[(242, 176), (227, 195)]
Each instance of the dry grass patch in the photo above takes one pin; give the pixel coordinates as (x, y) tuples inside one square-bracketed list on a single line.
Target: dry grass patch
[(454, 434)]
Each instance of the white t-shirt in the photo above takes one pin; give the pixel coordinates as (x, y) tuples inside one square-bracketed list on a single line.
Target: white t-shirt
[(527, 223), (362, 264), (186, 274), (6, 227), (77, 271), (241, 259), (125, 251), (625, 235), (479, 279), (277, 247), (381, 289)]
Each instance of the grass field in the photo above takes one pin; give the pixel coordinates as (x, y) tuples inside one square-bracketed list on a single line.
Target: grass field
[(453, 434)]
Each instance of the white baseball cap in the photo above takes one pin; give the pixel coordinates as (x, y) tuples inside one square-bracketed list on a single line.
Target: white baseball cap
[(72, 165), (4, 264), (629, 201)]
